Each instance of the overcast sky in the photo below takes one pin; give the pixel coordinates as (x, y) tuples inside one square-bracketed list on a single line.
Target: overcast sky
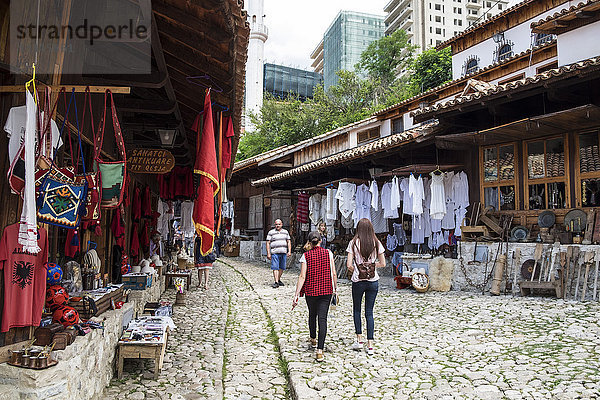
[(296, 27)]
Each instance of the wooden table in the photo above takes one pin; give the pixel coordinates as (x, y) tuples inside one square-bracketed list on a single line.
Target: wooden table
[(142, 350), (179, 274)]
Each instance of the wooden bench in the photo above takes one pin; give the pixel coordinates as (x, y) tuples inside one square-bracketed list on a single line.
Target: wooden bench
[(556, 285)]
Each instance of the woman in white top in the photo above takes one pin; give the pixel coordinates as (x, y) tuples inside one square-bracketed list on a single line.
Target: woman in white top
[(364, 249)]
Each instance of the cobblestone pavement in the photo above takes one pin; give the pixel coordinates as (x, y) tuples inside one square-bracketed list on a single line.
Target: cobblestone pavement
[(428, 346)]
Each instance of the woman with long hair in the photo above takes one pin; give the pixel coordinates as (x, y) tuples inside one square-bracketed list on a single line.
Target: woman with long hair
[(365, 255), (318, 282)]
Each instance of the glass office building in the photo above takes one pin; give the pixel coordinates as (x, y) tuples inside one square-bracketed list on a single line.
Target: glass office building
[(347, 37), (280, 81)]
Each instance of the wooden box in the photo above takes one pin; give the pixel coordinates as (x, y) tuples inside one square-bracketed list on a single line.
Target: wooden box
[(137, 281), (103, 304), (44, 335)]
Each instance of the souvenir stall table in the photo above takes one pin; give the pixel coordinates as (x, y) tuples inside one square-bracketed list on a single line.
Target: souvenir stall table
[(186, 274), (102, 300), (145, 338)]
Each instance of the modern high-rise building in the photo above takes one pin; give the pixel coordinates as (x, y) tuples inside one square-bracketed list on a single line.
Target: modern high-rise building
[(430, 22), (347, 37), (254, 66), (282, 81)]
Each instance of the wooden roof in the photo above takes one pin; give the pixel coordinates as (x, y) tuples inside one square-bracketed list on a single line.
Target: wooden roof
[(569, 18)]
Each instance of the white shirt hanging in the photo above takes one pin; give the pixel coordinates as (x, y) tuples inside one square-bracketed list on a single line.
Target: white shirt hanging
[(332, 205), (395, 198), (345, 195), (389, 210), (363, 204), (417, 194), (437, 208), (380, 223), (406, 198), (448, 220), (374, 195), (314, 208)]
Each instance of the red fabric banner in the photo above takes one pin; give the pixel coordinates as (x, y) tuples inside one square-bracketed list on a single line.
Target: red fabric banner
[(208, 185)]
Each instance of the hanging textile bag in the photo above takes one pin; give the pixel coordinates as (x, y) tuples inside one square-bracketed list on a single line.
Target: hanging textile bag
[(61, 202), (92, 213), (112, 174)]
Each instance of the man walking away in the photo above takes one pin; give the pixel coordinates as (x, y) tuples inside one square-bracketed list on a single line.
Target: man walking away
[(279, 246)]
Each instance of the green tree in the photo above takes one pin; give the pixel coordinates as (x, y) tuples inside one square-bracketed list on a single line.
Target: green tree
[(430, 69), (386, 57)]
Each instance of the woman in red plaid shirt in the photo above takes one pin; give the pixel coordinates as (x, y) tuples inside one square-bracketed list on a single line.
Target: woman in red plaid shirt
[(318, 282)]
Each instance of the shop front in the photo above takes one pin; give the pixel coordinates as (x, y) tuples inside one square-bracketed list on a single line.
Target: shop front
[(98, 203)]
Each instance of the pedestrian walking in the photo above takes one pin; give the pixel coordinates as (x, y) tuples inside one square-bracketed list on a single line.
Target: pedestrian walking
[(203, 263), (365, 255), (317, 281), (279, 246), (323, 232)]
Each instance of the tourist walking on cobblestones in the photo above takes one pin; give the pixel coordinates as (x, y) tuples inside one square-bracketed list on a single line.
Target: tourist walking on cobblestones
[(203, 263), (318, 282), (365, 255), (279, 246)]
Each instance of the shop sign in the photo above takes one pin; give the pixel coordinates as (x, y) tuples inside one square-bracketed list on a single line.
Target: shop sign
[(150, 161)]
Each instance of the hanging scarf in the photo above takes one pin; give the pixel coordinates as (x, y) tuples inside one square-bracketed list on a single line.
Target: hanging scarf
[(28, 234), (208, 183)]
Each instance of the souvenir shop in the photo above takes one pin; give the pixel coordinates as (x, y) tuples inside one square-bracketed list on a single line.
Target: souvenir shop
[(98, 205)]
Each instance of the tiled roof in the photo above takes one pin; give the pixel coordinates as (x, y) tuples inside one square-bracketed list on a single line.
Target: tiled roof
[(351, 154), (283, 150), (467, 77), (561, 72), (561, 13)]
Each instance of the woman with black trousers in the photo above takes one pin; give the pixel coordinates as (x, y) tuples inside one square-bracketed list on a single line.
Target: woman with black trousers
[(318, 282), (364, 249)]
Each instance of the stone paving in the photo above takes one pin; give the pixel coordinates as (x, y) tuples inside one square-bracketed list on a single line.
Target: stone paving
[(241, 340)]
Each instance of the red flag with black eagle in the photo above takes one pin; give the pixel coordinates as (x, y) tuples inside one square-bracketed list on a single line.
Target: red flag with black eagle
[(208, 184)]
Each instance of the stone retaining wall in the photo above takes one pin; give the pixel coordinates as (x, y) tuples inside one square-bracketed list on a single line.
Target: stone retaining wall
[(85, 367)]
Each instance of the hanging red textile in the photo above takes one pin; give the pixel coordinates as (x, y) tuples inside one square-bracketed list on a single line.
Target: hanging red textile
[(208, 183), (72, 243), (136, 206), (134, 246), (118, 227), (144, 238), (227, 135), (147, 203)]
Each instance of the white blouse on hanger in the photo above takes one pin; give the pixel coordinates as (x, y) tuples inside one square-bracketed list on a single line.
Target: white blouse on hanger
[(438, 197)]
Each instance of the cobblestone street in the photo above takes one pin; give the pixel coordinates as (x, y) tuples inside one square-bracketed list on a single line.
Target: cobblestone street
[(240, 340)]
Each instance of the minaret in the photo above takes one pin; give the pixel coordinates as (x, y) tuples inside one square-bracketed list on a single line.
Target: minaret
[(255, 63)]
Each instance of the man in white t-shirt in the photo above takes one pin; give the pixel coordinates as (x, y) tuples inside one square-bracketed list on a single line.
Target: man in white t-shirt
[(279, 246)]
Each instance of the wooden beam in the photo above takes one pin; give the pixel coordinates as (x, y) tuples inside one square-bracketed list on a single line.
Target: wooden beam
[(176, 54)]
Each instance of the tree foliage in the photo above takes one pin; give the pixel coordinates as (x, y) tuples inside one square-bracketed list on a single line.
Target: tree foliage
[(387, 73), (431, 68)]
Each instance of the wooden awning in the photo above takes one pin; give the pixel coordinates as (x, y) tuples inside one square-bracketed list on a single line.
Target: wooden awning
[(578, 118)]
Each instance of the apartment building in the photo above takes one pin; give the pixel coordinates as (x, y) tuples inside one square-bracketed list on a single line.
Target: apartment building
[(430, 22)]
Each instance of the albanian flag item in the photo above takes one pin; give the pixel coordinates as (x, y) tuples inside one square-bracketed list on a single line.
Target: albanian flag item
[(208, 183)]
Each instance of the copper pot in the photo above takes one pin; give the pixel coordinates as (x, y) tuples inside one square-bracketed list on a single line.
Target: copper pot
[(41, 361), (25, 360), (32, 361), (15, 356)]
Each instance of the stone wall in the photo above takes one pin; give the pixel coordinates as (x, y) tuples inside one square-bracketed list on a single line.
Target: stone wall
[(85, 367)]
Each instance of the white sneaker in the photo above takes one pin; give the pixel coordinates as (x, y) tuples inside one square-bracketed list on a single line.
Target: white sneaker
[(357, 346), (370, 351)]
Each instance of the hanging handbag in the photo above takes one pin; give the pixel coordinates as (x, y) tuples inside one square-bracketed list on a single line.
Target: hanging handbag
[(366, 270), (112, 174), (61, 202), (92, 215)]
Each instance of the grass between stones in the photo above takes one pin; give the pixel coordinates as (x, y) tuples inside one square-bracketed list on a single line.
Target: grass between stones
[(272, 338), (225, 334)]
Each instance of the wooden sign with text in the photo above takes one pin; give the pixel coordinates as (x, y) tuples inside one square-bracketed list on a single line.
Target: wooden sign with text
[(150, 161)]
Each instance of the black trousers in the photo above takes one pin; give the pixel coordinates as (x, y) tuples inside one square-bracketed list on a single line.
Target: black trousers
[(318, 307)]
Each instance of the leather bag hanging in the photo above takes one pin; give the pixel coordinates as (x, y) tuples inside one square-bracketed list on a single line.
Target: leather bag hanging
[(112, 174), (91, 216), (61, 202)]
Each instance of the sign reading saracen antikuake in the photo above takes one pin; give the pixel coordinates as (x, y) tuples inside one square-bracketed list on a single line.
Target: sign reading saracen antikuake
[(150, 161)]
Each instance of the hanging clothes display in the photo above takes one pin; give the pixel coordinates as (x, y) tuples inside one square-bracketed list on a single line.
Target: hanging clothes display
[(347, 222), (302, 208), (136, 205), (24, 279), (147, 203), (399, 234), (391, 243), (314, 208), (187, 223), (117, 227), (416, 191), (228, 134), (28, 231), (395, 192), (406, 198), (380, 223), (134, 244), (166, 215), (72, 246), (390, 210), (461, 200), (418, 229), (345, 195), (437, 208), (332, 205), (363, 204), (448, 220), (374, 189)]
